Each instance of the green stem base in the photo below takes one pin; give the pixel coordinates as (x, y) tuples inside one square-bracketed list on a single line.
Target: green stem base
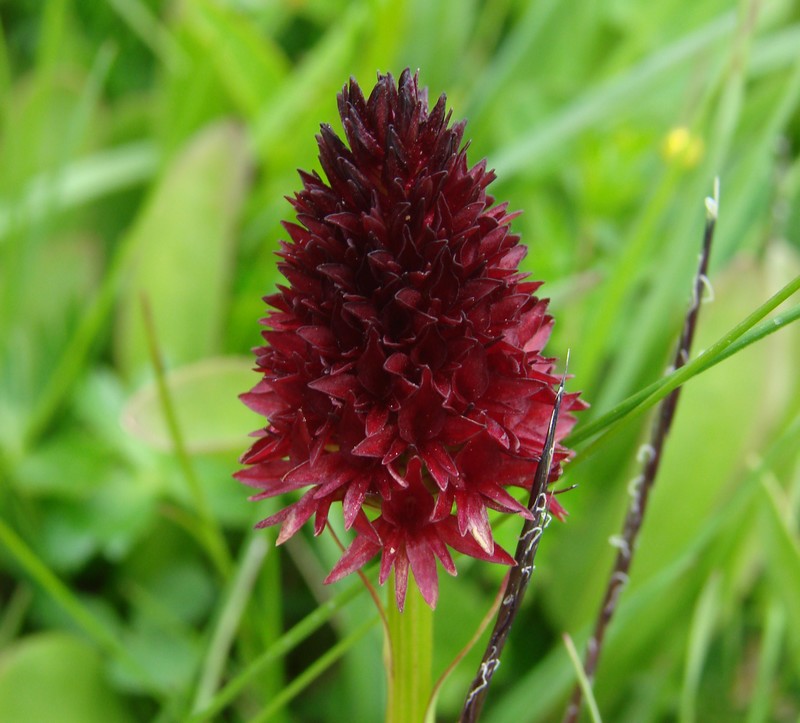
[(409, 651)]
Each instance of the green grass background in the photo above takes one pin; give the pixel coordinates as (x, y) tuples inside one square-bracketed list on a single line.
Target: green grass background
[(145, 152)]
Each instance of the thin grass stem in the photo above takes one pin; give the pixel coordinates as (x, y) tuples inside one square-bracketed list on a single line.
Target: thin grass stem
[(520, 575), (212, 537), (313, 671), (233, 609), (626, 541), (583, 681), (430, 714), (286, 643), (723, 348)]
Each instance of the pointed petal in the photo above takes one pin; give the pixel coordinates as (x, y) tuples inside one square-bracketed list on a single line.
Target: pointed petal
[(503, 500), (358, 554), (458, 429), (423, 565), (320, 337), (321, 514), (353, 499), (293, 517), (439, 463), (365, 528), (448, 531), (338, 386), (401, 579), (474, 519), (378, 444), (376, 420), (440, 549), (391, 548), (264, 474)]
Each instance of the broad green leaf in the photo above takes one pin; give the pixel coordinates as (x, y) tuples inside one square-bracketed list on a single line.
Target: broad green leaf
[(169, 595), (83, 180), (39, 325), (206, 398), (56, 677), (168, 652), (284, 132), (249, 63), (622, 301), (184, 245), (599, 103)]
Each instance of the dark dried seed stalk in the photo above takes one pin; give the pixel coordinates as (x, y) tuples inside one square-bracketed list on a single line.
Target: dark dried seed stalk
[(520, 574), (650, 457)]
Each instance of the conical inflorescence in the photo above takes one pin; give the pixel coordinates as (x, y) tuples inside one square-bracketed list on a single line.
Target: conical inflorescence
[(402, 372)]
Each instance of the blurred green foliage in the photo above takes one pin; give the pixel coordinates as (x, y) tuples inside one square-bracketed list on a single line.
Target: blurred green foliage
[(145, 152)]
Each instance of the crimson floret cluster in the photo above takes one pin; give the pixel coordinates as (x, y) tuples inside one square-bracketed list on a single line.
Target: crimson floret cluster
[(402, 372)]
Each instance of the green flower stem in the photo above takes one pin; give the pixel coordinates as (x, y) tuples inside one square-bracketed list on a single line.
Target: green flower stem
[(410, 652)]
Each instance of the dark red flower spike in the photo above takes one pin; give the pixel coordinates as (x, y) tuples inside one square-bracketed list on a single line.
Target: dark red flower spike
[(402, 371)]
